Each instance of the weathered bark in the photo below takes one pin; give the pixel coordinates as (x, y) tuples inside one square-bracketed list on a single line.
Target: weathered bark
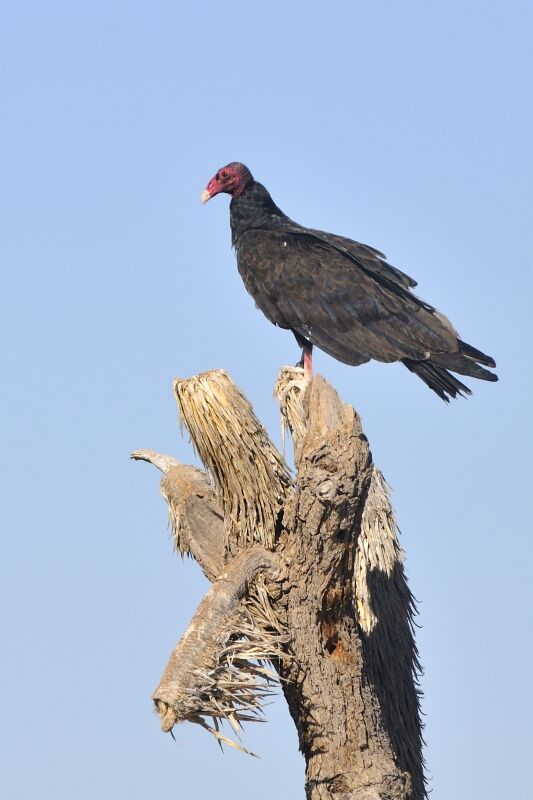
[(350, 682), (338, 681), (193, 670), (194, 513)]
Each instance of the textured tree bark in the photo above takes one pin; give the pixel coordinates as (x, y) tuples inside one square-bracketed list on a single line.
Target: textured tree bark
[(351, 681), (197, 654), (342, 677), (195, 515)]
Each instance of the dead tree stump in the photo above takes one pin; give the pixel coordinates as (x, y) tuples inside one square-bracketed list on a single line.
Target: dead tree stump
[(308, 583)]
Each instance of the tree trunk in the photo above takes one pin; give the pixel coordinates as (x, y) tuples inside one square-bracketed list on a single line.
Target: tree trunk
[(335, 615)]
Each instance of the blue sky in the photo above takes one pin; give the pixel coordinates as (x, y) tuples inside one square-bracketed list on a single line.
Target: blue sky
[(403, 125)]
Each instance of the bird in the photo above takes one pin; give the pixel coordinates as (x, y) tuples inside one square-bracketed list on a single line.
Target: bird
[(338, 294)]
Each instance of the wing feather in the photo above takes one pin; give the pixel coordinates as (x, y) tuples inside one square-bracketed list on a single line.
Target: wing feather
[(339, 295)]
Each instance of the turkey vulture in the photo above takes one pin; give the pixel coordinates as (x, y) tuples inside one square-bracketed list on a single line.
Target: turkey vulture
[(339, 295)]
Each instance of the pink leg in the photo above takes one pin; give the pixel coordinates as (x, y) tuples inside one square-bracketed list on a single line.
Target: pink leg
[(308, 362)]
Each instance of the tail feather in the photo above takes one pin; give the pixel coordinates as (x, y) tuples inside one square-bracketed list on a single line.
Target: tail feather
[(462, 364), (466, 361), (437, 378), (471, 352)]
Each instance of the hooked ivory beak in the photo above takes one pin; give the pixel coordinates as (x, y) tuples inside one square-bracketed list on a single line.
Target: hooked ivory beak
[(205, 196)]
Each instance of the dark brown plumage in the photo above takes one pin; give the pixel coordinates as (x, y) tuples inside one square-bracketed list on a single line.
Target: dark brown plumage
[(339, 295)]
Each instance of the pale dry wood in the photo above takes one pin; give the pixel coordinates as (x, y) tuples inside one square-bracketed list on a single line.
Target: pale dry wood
[(351, 687), (351, 682), (289, 390), (216, 670), (195, 515), (250, 476), (159, 460)]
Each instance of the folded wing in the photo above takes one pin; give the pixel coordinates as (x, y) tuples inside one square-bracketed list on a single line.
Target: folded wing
[(344, 301)]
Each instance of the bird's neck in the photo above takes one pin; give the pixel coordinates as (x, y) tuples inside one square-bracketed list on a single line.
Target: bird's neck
[(254, 208)]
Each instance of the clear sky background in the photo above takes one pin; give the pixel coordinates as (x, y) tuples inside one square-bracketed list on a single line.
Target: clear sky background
[(403, 125)]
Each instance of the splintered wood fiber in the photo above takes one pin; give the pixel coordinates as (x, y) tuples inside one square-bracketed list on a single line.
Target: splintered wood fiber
[(251, 478)]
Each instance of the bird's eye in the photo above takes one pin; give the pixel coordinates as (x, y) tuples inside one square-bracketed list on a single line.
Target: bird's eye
[(224, 174)]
